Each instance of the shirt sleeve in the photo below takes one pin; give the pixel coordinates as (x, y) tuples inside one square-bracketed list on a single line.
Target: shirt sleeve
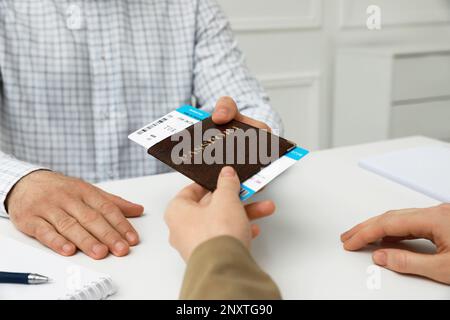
[(223, 269), (11, 171), (220, 69)]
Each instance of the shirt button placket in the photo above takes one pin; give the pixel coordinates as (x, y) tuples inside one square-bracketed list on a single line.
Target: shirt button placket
[(99, 74), (74, 17)]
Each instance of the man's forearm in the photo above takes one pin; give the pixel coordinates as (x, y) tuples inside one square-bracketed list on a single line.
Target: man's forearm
[(11, 171)]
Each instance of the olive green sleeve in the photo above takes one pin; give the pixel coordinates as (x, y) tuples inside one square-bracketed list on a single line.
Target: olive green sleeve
[(223, 269)]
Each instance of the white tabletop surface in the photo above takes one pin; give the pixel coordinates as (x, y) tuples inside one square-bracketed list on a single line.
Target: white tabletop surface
[(319, 198)]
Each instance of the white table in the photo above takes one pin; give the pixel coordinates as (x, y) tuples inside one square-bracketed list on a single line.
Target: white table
[(319, 198)]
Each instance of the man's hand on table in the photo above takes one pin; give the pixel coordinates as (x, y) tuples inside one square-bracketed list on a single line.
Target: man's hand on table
[(65, 213), (431, 223)]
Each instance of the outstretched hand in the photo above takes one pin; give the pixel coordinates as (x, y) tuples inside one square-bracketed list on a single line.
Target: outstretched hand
[(196, 215), (394, 226)]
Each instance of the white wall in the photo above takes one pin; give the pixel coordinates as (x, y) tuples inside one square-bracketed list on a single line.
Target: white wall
[(290, 45)]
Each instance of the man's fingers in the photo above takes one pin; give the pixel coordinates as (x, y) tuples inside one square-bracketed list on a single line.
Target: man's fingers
[(348, 234), (227, 110), (129, 209), (259, 210), (253, 122), (46, 234), (228, 182), (69, 227), (256, 230), (114, 210), (193, 192), (365, 236), (117, 220), (90, 216), (413, 224), (403, 261)]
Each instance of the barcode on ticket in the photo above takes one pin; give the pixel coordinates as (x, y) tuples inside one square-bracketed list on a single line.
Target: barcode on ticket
[(157, 123), (170, 124)]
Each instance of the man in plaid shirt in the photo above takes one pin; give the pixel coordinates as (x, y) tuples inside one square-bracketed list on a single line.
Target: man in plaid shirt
[(76, 77)]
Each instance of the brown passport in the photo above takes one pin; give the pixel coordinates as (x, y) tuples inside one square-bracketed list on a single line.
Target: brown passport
[(243, 157)]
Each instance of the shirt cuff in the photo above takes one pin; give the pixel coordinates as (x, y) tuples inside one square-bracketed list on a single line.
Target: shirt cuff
[(11, 171)]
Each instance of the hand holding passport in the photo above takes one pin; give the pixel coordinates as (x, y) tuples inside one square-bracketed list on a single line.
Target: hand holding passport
[(189, 141)]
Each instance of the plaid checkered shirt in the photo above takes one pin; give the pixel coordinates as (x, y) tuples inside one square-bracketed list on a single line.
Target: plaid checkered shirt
[(76, 77)]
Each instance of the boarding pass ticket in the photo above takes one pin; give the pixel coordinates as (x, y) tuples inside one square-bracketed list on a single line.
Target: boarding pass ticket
[(186, 116)]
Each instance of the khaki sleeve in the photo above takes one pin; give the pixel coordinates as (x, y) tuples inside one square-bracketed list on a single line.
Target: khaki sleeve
[(223, 269)]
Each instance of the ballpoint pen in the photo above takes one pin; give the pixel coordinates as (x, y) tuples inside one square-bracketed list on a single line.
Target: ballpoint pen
[(22, 278)]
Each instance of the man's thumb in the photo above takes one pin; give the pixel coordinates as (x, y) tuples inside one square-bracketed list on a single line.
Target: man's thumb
[(228, 181), (408, 262)]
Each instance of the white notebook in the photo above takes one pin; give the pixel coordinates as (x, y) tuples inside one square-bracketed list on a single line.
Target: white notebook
[(425, 169), (69, 281)]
